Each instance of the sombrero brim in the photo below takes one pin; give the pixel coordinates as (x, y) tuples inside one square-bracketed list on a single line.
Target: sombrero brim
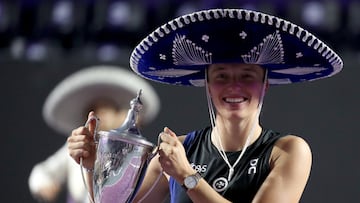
[(179, 51), (65, 106)]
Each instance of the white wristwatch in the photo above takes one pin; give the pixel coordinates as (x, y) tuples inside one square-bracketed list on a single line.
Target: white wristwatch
[(191, 181)]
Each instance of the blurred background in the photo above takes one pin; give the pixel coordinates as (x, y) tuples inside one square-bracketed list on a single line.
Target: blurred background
[(43, 41)]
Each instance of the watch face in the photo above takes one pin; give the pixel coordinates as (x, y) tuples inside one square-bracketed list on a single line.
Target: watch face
[(190, 182)]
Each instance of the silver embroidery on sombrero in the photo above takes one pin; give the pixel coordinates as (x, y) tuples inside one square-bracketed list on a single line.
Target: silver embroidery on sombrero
[(198, 83), (243, 35), (279, 81), (162, 57), (300, 70), (270, 51), (185, 52), (205, 38), (171, 73)]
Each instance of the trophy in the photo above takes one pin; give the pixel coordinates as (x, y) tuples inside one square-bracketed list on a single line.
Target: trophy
[(121, 160)]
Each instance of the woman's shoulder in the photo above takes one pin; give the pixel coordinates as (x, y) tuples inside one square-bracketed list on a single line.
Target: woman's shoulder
[(285, 140), (291, 141), (292, 145)]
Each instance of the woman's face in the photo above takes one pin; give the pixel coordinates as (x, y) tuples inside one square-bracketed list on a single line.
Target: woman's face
[(235, 89)]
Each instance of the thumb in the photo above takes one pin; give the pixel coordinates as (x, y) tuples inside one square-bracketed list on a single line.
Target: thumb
[(92, 122), (170, 132)]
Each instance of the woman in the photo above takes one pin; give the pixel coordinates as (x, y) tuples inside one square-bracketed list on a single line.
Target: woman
[(281, 172), (236, 54)]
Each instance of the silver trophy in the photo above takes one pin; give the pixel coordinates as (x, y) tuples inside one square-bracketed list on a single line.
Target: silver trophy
[(122, 158)]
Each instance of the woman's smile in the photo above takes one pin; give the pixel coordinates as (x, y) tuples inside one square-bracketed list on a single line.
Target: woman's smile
[(234, 99)]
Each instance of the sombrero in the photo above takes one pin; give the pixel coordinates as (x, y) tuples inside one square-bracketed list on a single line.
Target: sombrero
[(179, 51), (65, 106)]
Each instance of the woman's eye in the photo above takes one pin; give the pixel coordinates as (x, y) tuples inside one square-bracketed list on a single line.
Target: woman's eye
[(221, 76), (248, 76)]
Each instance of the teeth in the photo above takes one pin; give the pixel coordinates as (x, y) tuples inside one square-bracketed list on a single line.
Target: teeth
[(234, 100)]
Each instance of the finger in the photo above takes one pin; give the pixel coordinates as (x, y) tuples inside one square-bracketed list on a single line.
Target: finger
[(91, 114), (80, 138), (81, 142), (170, 132), (79, 133), (92, 122), (78, 153), (166, 149), (164, 137), (168, 139)]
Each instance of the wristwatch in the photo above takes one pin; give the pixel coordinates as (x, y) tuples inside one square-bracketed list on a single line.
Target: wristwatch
[(191, 181)]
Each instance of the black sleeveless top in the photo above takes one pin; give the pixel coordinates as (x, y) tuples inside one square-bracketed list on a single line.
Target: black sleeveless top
[(249, 173)]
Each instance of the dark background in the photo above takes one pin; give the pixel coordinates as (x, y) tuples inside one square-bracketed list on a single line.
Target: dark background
[(324, 112)]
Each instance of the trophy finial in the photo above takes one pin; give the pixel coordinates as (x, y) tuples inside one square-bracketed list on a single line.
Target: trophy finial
[(136, 103), (129, 126)]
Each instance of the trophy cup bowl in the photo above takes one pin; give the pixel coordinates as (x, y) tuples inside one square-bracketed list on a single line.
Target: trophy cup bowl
[(121, 159), (120, 166)]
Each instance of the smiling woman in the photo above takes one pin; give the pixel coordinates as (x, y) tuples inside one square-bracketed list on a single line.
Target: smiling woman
[(243, 52)]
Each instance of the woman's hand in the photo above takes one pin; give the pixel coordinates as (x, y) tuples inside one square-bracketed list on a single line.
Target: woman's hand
[(81, 143), (172, 156)]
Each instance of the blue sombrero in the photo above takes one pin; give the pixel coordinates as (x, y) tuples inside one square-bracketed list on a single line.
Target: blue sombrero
[(179, 51)]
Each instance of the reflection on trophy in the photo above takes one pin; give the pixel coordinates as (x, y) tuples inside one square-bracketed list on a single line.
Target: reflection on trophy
[(122, 157)]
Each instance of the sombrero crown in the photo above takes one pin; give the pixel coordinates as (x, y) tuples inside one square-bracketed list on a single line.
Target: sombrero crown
[(179, 51)]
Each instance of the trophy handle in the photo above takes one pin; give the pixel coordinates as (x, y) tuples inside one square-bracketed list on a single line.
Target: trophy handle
[(153, 154), (155, 150), (96, 140)]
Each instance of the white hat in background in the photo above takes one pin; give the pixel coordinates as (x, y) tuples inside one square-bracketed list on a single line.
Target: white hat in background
[(65, 106)]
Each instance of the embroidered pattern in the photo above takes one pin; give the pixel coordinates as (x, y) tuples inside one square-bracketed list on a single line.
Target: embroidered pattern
[(162, 57), (243, 35), (197, 83), (299, 55), (172, 73), (300, 70), (185, 52), (205, 38), (270, 51)]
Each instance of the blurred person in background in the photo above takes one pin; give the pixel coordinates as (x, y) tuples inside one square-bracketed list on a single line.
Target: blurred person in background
[(106, 90)]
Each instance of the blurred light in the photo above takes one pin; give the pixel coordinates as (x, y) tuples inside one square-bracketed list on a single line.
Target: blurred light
[(119, 13), (108, 52), (36, 51), (185, 8), (63, 15), (249, 5), (71, 24), (17, 48), (313, 14)]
